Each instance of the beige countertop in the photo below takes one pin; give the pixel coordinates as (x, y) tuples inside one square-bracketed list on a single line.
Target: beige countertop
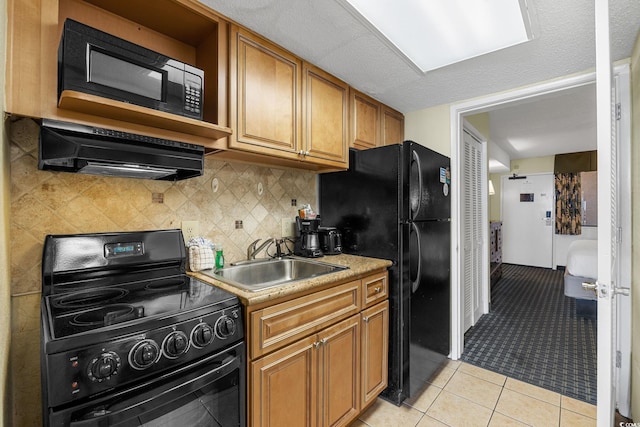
[(358, 266)]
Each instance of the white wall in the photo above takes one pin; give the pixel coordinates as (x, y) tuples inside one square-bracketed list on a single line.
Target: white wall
[(430, 127)]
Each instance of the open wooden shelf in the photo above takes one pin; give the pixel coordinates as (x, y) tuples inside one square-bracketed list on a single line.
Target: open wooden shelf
[(103, 107)]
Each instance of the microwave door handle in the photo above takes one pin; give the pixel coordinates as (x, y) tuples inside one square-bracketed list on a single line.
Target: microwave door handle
[(139, 405)]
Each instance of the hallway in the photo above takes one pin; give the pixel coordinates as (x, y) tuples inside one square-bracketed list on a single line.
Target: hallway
[(533, 334)]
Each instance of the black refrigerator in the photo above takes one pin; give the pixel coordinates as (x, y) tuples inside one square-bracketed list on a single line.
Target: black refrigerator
[(393, 203)]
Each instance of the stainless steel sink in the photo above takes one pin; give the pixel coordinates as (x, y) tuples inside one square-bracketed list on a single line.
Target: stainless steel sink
[(262, 274)]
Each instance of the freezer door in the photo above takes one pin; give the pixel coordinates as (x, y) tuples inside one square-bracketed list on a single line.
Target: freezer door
[(429, 182), (430, 312)]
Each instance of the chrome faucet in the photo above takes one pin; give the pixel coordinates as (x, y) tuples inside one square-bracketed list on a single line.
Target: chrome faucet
[(252, 250)]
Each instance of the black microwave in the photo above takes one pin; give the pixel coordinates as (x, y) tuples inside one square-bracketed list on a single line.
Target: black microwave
[(94, 62)]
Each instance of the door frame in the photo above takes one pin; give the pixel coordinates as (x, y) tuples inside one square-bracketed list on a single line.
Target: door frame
[(479, 105), (457, 113)]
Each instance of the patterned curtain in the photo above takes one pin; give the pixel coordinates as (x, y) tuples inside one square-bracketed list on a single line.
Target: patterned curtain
[(568, 204)]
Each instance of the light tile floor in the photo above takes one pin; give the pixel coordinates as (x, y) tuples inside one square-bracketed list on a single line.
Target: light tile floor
[(461, 394)]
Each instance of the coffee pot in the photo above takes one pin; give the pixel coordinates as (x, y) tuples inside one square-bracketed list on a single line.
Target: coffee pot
[(330, 240), (307, 238)]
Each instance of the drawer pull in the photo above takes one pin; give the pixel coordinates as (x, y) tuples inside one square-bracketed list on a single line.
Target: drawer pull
[(378, 289), (365, 319), (322, 342)]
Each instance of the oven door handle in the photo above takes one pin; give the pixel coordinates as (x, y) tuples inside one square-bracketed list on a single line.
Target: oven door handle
[(157, 397)]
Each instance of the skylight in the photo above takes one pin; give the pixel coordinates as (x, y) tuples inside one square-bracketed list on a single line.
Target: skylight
[(435, 33)]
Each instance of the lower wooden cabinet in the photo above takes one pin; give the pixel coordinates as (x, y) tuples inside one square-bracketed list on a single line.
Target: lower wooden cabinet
[(284, 386), (375, 345), (314, 382), (340, 372), (328, 377)]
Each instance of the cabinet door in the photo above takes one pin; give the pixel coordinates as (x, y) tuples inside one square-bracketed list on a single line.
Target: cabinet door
[(264, 95), (325, 117), (392, 126), (280, 324), (284, 386), (365, 121), (340, 372), (375, 348)]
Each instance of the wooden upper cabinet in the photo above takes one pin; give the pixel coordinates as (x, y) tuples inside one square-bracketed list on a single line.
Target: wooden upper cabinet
[(182, 29), (392, 126), (264, 95), (284, 108), (372, 123), (325, 117), (365, 121)]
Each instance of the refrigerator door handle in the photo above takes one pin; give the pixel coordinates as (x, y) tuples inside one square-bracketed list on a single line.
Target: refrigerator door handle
[(415, 204), (415, 284)]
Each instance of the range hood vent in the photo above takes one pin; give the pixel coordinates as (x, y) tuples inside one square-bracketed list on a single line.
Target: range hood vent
[(72, 147)]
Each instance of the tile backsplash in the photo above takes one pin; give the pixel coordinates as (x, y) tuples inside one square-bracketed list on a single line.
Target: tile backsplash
[(44, 202)]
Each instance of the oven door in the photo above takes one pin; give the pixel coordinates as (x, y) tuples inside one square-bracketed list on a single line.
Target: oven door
[(210, 394)]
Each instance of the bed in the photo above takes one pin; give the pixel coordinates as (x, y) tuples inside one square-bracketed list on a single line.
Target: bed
[(582, 266)]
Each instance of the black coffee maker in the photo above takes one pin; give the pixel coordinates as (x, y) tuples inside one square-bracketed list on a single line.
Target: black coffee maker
[(307, 238)]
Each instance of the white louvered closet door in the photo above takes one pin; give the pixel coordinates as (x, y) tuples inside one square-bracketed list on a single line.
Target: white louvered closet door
[(472, 225)]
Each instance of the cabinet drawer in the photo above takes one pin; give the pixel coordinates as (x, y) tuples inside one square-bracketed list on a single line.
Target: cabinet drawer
[(278, 325), (374, 289)]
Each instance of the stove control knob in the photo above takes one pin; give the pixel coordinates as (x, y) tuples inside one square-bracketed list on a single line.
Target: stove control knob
[(144, 354), (202, 335), (175, 344), (102, 367), (225, 327)]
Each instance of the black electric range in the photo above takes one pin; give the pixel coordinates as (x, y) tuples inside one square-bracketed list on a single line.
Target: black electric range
[(118, 310)]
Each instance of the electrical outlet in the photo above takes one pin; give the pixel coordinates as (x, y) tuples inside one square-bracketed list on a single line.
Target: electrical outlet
[(288, 229), (190, 229)]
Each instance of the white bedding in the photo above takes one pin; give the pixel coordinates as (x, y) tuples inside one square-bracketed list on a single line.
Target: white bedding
[(582, 258)]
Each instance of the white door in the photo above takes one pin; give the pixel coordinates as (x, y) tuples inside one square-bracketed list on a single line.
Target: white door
[(527, 220), (607, 205), (623, 238), (475, 229)]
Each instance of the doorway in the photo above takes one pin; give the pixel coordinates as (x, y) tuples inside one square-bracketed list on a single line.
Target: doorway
[(458, 112)]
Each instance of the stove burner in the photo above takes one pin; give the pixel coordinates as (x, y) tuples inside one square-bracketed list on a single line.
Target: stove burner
[(108, 315), (90, 298)]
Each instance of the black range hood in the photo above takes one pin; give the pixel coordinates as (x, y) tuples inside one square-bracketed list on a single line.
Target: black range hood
[(71, 147)]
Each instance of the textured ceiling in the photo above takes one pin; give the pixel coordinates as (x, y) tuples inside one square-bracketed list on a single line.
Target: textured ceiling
[(327, 35), (562, 122)]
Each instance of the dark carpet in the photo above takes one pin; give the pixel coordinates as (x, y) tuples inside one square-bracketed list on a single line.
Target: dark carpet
[(533, 334)]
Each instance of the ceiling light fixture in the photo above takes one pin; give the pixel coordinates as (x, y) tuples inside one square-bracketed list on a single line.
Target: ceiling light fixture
[(433, 34)]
